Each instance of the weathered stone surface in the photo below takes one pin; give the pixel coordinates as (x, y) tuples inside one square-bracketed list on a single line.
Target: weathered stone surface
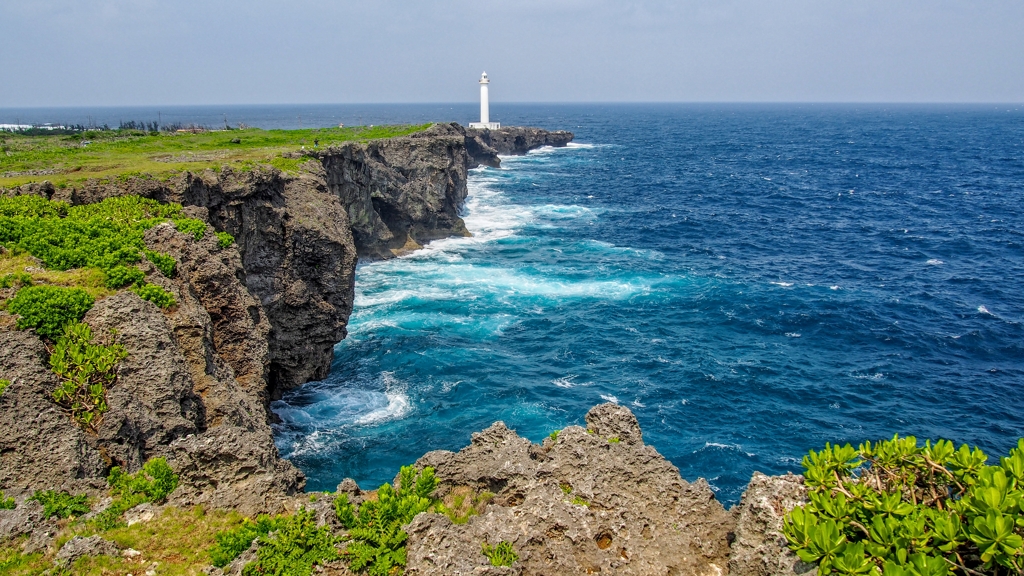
[(577, 505), (401, 192), (40, 447), (78, 547), (27, 519), (152, 402), (760, 548), (232, 467)]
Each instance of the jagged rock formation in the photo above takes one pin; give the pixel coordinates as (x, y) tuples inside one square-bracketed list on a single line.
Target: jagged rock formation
[(593, 500)]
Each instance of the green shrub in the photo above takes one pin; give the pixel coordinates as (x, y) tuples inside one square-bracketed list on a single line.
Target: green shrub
[(293, 550), (231, 543), (153, 483), (501, 554), (106, 235), (102, 235), (224, 239), (120, 276), (84, 370), (15, 278), (902, 509), (48, 309), (197, 228), (164, 263), (3, 385), (156, 295), (614, 440), (60, 504), (378, 541), (6, 503), (554, 435)]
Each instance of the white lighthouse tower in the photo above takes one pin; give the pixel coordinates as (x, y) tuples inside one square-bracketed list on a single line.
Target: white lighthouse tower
[(485, 112)]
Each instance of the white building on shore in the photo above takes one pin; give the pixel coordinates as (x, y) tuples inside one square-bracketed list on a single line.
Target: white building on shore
[(485, 112)]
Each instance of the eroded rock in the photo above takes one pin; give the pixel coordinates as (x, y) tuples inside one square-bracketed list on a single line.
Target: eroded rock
[(578, 505), (760, 548), (79, 547)]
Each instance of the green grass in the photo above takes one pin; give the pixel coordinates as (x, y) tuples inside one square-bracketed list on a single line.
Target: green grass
[(122, 154)]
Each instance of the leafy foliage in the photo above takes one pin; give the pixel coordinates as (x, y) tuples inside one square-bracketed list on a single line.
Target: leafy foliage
[(60, 504), (102, 235), (197, 228), (224, 239), (294, 548), (164, 263), (5, 502), (48, 309), (85, 370), (378, 541), (156, 295), (120, 276), (231, 543), (500, 554), (3, 385), (153, 483), (898, 508)]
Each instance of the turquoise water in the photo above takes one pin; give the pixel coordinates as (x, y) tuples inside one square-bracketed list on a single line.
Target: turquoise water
[(752, 281)]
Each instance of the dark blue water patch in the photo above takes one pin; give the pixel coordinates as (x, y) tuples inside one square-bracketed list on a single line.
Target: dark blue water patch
[(752, 281)]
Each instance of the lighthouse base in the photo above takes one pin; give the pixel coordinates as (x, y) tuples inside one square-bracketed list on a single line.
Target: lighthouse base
[(485, 125)]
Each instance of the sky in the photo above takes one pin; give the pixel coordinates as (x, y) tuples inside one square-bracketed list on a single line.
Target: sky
[(149, 52)]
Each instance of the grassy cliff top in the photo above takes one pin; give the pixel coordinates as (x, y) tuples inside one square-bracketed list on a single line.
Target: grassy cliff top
[(67, 159)]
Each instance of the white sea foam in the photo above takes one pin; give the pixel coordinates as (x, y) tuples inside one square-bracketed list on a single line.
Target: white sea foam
[(783, 284), (609, 398), (983, 310), (792, 334), (565, 381), (398, 402), (934, 262)]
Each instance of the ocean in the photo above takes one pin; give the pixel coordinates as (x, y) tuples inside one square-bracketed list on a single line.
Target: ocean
[(751, 280)]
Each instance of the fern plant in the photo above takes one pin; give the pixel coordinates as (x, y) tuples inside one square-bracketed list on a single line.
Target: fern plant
[(294, 549), (377, 539), (231, 543), (60, 504)]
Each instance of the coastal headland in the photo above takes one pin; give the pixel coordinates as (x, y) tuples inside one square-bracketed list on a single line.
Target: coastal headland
[(238, 292)]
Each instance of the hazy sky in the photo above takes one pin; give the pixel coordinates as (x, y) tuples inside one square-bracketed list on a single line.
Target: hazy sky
[(145, 52)]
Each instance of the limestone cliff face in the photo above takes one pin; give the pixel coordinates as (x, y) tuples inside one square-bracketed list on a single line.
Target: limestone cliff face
[(401, 192), (252, 320)]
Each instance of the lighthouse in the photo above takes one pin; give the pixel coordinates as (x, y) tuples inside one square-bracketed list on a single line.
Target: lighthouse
[(485, 112)]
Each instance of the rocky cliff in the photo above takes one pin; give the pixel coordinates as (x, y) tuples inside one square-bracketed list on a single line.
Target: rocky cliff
[(253, 319)]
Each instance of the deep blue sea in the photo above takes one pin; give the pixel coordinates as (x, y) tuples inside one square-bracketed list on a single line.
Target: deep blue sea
[(751, 280)]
